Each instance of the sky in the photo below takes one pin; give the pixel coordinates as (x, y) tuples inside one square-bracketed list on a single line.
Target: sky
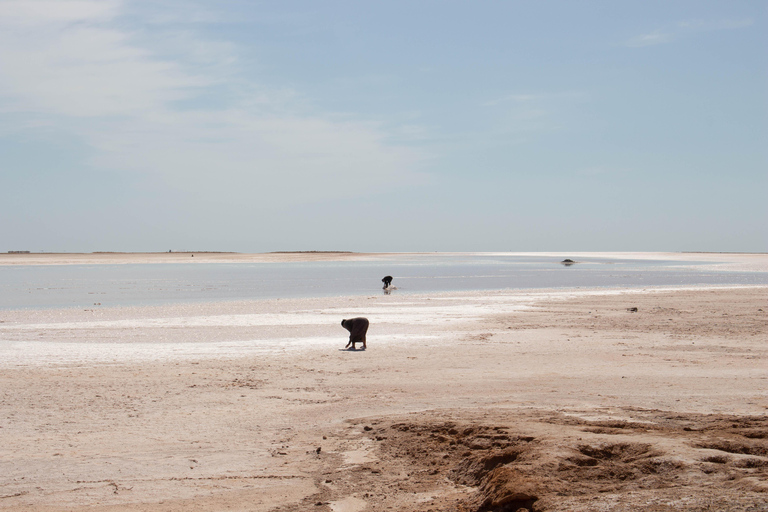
[(395, 126)]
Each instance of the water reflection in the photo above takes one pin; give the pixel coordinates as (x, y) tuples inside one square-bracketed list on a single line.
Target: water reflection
[(154, 284)]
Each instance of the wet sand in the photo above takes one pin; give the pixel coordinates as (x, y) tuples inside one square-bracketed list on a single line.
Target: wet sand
[(473, 401)]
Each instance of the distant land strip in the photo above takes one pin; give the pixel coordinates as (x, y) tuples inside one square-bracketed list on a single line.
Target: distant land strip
[(124, 252), (720, 252), (163, 252)]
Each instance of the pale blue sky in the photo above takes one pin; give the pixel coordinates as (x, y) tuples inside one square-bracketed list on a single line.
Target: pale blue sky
[(383, 126)]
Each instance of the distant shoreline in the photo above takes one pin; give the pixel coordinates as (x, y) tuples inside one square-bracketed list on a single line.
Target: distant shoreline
[(53, 253), (169, 252), (121, 258), (746, 262)]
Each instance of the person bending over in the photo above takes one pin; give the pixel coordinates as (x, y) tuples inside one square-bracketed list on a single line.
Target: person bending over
[(357, 328)]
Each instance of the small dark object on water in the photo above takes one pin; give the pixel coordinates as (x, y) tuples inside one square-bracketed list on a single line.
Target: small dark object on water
[(387, 281), (567, 262), (632, 310), (357, 328)]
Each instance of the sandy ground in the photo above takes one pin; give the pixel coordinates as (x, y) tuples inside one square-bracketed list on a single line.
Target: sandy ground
[(479, 401), (722, 261)]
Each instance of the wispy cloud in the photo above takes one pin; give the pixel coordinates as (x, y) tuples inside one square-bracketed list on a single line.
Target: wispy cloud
[(521, 114), (529, 98), (142, 106), (650, 39), (686, 28)]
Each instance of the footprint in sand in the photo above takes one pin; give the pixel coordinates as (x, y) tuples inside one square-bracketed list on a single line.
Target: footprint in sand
[(362, 455)]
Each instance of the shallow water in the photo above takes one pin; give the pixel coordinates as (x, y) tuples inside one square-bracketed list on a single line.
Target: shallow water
[(55, 286)]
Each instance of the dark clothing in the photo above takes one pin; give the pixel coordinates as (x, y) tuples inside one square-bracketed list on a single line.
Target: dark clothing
[(357, 328)]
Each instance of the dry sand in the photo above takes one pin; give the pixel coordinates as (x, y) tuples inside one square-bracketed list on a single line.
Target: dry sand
[(474, 401)]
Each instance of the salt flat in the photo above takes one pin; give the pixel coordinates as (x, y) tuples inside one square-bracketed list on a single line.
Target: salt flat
[(254, 406)]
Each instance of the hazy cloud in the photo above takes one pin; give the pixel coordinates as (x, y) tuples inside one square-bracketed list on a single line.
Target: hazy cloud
[(727, 24), (600, 171), (38, 12), (516, 98), (529, 98), (75, 64)]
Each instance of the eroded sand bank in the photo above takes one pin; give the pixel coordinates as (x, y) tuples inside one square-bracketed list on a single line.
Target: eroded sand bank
[(545, 400)]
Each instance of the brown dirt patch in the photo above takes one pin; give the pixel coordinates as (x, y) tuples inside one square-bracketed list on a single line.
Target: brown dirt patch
[(435, 462)]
